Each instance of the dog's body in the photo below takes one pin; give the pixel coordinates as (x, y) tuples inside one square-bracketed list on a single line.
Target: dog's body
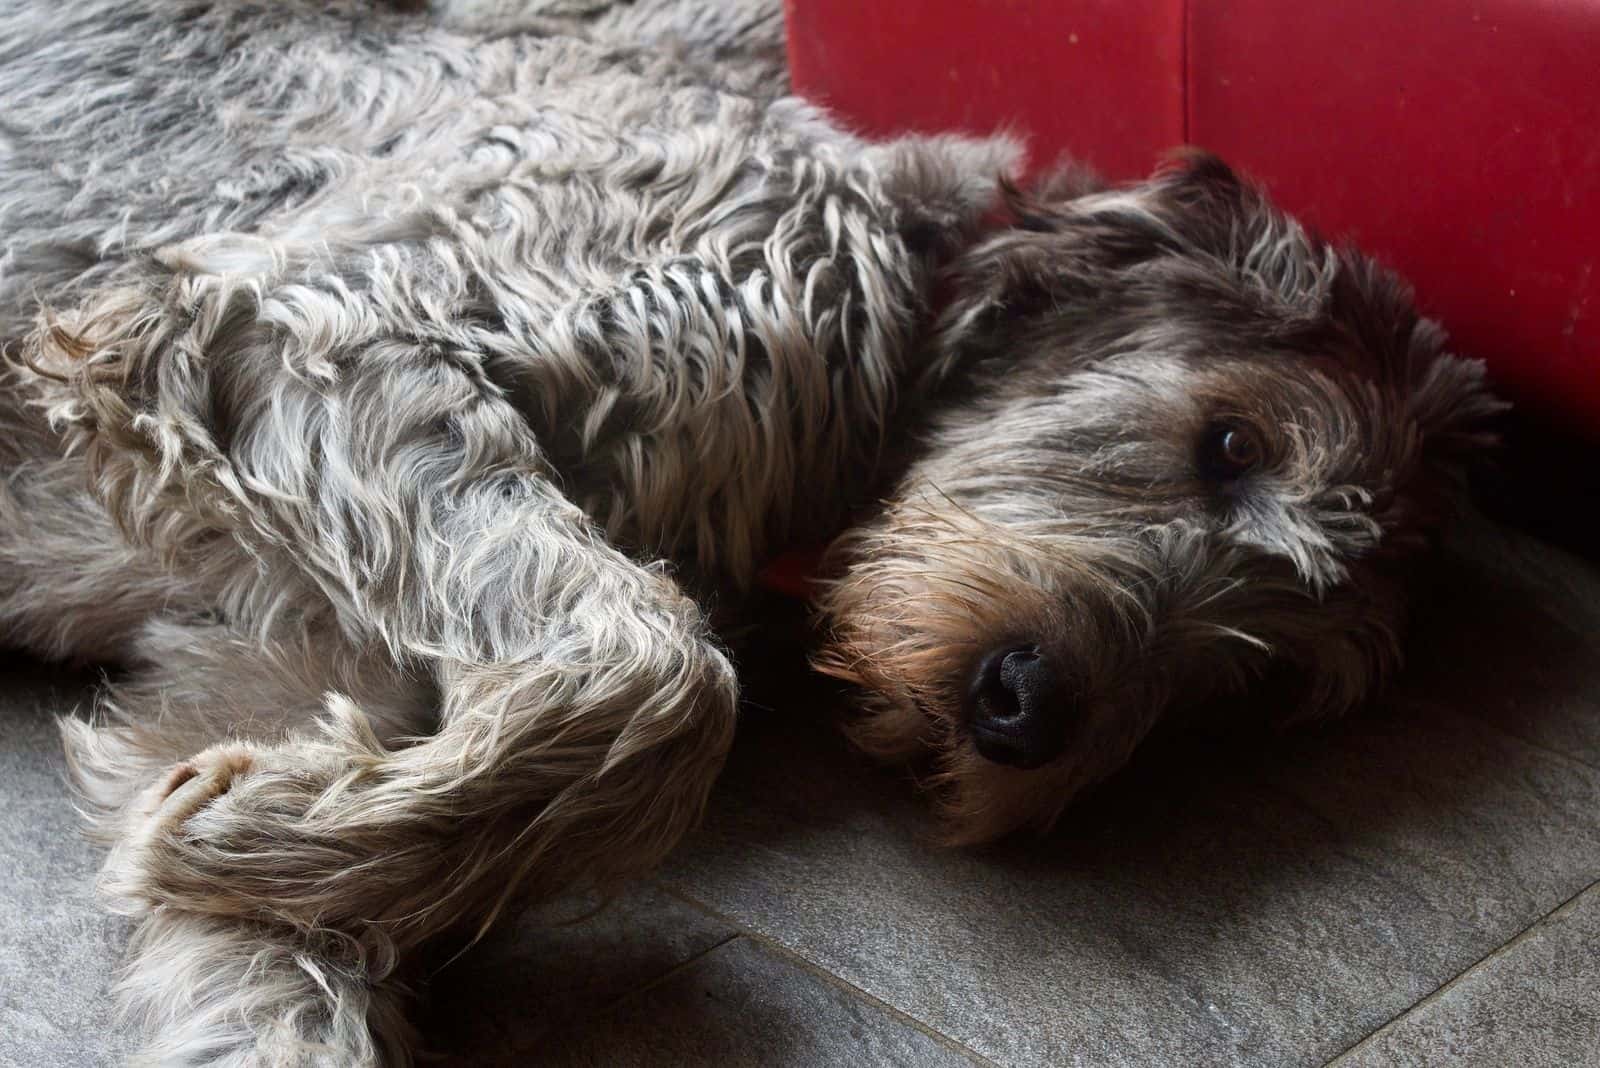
[(363, 366)]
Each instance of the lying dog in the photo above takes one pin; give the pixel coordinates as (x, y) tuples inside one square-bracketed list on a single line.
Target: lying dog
[(384, 396)]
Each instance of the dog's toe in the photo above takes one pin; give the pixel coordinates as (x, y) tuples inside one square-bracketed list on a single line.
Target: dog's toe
[(189, 787), (163, 820), (176, 778)]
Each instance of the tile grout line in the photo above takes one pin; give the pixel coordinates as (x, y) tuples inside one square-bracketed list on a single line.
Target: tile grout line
[(954, 1045), (1462, 976), (746, 931), (523, 1045), (671, 972)]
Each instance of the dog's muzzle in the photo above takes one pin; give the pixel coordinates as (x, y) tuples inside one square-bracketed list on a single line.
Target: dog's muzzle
[(1018, 711)]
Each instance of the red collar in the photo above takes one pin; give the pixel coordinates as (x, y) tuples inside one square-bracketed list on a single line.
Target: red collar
[(793, 574)]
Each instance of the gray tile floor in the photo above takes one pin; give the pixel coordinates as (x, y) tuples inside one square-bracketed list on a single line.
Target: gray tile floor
[(1416, 886)]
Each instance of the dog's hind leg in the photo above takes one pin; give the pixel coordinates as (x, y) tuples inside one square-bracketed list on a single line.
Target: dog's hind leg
[(583, 715), (201, 706), (395, 496), (196, 689), (582, 755), (291, 873)]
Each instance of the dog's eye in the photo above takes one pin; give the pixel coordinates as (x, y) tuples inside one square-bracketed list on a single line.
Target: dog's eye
[(1228, 451)]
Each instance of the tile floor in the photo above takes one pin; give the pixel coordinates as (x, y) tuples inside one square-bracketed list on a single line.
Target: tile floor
[(1416, 886)]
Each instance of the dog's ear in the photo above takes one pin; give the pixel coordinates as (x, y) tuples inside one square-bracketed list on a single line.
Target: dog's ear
[(1455, 410), (1199, 188), (1070, 232), (943, 186), (1054, 258), (1044, 205), (1213, 212), (1213, 209), (1448, 398)]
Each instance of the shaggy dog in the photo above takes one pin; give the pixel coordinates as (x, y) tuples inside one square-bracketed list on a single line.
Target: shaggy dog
[(386, 392)]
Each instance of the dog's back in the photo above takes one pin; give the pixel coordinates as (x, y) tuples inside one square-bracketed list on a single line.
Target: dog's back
[(663, 245), (131, 126)]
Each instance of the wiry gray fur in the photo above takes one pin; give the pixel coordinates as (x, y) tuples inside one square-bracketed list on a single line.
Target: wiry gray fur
[(364, 366)]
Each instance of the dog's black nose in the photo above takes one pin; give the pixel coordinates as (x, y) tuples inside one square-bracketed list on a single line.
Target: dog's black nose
[(1017, 709)]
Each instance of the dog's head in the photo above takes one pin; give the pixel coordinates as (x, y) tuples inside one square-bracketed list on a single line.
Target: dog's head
[(1184, 454)]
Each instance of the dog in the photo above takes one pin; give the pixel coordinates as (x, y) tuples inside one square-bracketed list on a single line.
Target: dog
[(390, 395)]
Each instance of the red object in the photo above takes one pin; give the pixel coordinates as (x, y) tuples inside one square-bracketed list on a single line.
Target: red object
[(793, 574), (1457, 140)]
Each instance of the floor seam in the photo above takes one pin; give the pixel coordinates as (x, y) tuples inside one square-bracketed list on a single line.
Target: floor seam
[(1462, 976), (676, 969), (1532, 744), (541, 1035), (744, 930)]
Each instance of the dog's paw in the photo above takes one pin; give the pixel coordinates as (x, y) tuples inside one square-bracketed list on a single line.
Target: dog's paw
[(228, 808)]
